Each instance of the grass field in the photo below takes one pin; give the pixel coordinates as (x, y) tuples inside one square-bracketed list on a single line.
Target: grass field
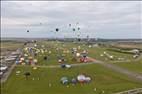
[(8, 46), (104, 80), (133, 66), (94, 52)]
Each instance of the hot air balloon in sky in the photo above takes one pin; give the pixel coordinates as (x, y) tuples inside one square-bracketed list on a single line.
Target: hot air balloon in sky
[(57, 29), (28, 31)]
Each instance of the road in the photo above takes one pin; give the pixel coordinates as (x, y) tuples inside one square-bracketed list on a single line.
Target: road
[(6, 74)]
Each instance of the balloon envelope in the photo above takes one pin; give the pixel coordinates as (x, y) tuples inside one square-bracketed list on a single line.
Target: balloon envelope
[(57, 29), (81, 78), (73, 29)]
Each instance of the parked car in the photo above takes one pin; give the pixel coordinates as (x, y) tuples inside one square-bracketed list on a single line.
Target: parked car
[(3, 68), (1, 73)]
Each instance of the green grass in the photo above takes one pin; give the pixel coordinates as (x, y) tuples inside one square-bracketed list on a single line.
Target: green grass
[(94, 52), (11, 44), (132, 66), (102, 79)]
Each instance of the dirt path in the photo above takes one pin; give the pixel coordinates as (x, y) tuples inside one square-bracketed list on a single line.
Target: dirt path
[(131, 74), (132, 91), (58, 66), (134, 75)]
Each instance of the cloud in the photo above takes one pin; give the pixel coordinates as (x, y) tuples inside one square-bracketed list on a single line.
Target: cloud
[(104, 19)]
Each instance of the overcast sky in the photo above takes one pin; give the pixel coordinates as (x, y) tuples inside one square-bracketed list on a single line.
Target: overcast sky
[(99, 19)]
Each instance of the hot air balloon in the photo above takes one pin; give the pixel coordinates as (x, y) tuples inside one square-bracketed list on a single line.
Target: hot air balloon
[(70, 25), (28, 31), (73, 29), (27, 74), (78, 28), (78, 35), (79, 39), (87, 36), (57, 29)]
